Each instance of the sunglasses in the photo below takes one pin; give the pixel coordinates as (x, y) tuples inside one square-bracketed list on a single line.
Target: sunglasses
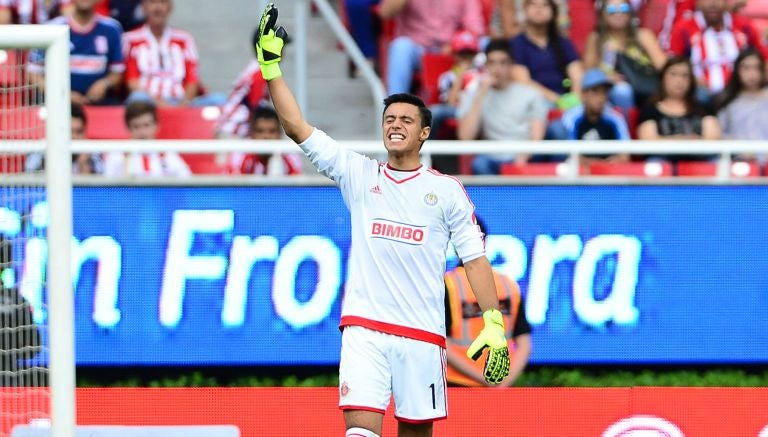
[(618, 9)]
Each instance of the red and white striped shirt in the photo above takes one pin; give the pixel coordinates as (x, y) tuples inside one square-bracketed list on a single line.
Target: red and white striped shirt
[(32, 11), (162, 67), (713, 51), (248, 92)]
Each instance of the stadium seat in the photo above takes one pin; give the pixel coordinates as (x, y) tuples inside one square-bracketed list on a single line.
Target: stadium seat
[(204, 163), (739, 169), (652, 15), (583, 21), (636, 169), (12, 163), (11, 70), (432, 66), (534, 169), (106, 123), (22, 123), (196, 123)]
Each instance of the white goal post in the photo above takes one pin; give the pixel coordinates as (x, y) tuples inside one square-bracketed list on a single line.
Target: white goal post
[(54, 40)]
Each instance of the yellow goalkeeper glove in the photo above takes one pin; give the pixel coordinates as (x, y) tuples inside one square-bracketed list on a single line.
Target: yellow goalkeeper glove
[(269, 46), (492, 337)]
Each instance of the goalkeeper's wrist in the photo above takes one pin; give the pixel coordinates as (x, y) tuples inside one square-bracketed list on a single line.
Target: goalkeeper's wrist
[(270, 71), (493, 317)]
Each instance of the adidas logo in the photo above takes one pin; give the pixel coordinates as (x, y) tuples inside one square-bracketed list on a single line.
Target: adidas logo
[(376, 190)]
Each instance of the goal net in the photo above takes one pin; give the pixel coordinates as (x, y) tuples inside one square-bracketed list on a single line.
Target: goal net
[(36, 329)]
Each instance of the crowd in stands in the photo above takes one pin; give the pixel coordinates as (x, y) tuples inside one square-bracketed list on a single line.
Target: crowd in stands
[(490, 69), (529, 74)]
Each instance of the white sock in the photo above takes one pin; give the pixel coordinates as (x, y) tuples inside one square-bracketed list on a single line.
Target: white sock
[(360, 432)]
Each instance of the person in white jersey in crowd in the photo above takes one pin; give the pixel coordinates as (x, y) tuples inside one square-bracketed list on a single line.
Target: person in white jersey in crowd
[(403, 216)]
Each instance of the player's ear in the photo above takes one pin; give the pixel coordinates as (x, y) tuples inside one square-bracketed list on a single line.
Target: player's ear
[(424, 134)]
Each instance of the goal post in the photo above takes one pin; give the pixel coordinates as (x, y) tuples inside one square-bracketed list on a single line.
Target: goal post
[(60, 357)]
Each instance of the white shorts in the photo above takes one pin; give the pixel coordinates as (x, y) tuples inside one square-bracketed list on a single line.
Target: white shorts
[(376, 366)]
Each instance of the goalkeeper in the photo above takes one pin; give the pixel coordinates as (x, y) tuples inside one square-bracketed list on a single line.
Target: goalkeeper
[(403, 216)]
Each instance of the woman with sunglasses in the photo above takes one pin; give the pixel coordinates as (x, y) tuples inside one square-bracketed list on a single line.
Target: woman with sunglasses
[(617, 33)]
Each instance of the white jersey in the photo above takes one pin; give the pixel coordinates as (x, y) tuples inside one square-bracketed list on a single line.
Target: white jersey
[(402, 222)]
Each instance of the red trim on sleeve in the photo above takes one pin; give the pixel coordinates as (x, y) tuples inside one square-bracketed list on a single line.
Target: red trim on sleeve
[(420, 421), (389, 328), (360, 407)]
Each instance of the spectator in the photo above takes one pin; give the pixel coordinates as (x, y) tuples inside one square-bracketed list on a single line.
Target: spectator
[(497, 107), (744, 102), (712, 39), (674, 113), (463, 320), (82, 163), (265, 125), (96, 62), (142, 123), (161, 61), (421, 26), (681, 10), (464, 47), (617, 35), (365, 28), (248, 93), (129, 13), (551, 61), (28, 11), (594, 119)]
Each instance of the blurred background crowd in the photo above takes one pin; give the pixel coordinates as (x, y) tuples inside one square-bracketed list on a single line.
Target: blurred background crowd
[(505, 70)]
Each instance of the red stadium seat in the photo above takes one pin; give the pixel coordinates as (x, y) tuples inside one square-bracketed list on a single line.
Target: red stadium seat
[(534, 169), (204, 163), (432, 66), (709, 169), (637, 169), (106, 123), (22, 123), (583, 21), (187, 123), (11, 68), (652, 14), (12, 163)]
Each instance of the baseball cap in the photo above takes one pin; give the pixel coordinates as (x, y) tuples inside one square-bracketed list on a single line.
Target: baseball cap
[(465, 41), (594, 78)]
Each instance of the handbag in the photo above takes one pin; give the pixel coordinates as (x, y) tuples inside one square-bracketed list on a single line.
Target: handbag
[(642, 77)]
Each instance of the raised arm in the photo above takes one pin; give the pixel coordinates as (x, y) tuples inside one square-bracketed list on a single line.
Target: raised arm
[(269, 49)]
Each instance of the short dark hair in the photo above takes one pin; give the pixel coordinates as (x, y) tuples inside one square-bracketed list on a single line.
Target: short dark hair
[(499, 45), (411, 99), (264, 112), (137, 108), (78, 111)]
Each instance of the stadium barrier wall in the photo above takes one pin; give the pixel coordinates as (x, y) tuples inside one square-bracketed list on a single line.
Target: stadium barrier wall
[(539, 412), (216, 275)]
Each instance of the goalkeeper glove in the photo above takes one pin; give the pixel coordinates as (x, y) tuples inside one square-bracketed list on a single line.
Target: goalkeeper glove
[(269, 46), (492, 337)]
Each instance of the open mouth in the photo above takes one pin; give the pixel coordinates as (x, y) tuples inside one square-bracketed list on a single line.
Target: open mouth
[(396, 138)]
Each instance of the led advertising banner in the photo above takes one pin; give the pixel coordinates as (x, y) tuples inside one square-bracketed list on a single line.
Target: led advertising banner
[(254, 275)]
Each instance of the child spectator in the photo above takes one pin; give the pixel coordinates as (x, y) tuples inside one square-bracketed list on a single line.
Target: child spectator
[(141, 121), (464, 48), (594, 119), (265, 125)]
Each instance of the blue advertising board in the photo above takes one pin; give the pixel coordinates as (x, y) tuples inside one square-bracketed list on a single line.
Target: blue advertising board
[(254, 275)]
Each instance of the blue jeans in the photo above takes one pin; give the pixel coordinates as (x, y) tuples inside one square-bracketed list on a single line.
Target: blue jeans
[(440, 114), (403, 60), (488, 164), (361, 25)]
